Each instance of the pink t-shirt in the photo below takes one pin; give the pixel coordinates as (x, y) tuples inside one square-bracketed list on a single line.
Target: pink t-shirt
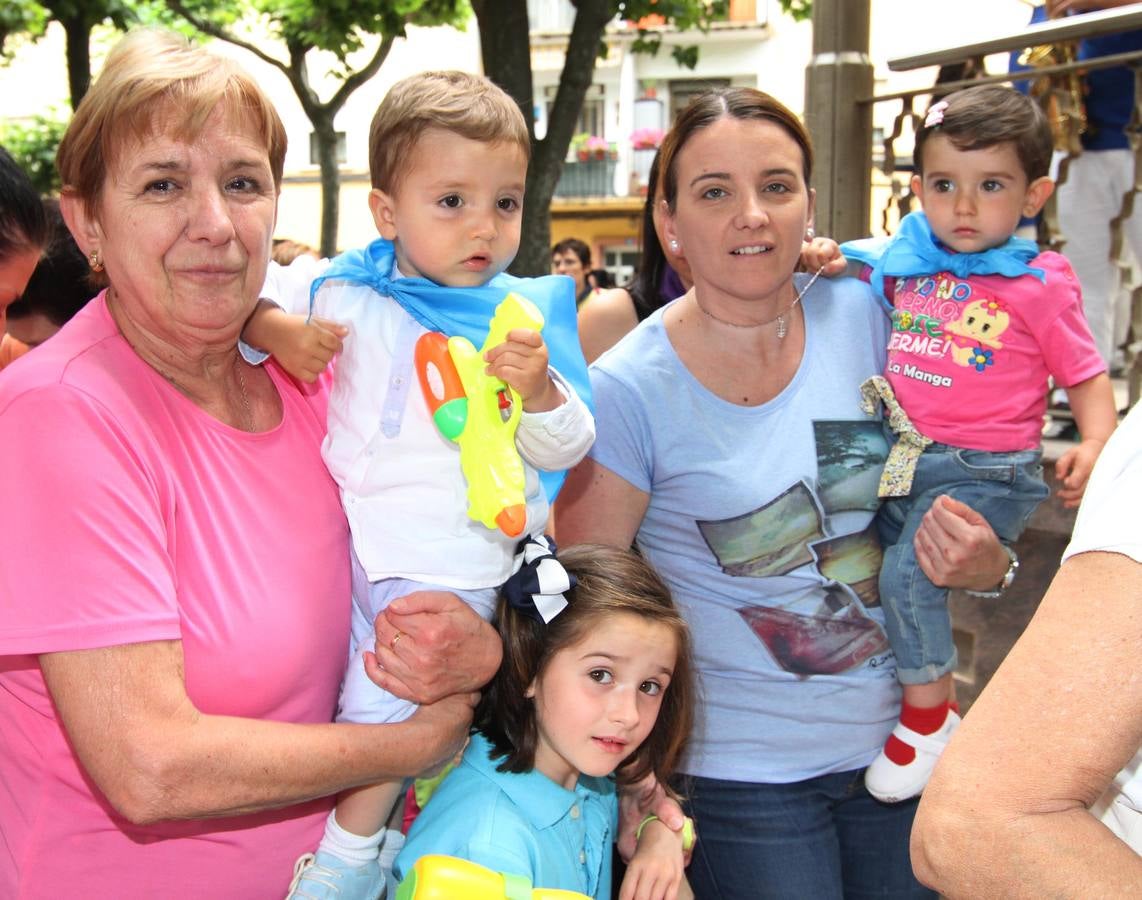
[(129, 515), (968, 358)]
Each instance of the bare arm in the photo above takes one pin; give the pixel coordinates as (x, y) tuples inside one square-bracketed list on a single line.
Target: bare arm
[(597, 506), (1092, 402), (1005, 814), (155, 756), (302, 345), (603, 320)]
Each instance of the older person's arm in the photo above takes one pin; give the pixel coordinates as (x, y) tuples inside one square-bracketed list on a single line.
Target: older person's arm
[(155, 756), (1005, 814)]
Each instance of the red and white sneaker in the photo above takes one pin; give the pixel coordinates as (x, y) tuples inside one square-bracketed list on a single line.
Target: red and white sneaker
[(891, 782)]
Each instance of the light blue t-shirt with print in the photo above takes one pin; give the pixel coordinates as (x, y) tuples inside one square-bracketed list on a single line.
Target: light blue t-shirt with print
[(761, 521), (522, 824)]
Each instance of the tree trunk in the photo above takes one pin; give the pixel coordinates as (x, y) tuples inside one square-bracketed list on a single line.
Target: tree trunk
[(78, 31), (503, 31), (330, 182)]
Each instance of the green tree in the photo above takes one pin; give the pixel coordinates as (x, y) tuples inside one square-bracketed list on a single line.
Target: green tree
[(340, 27), (506, 51), (78, 19), (33, 145), (800, 10)]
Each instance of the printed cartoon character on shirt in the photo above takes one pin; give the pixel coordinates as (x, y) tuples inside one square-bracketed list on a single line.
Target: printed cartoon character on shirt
[(975, 335)]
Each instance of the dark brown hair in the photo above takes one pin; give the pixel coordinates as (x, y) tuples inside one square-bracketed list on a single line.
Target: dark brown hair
[(611, 581), (733, 103), (576, 246), (980, 117)]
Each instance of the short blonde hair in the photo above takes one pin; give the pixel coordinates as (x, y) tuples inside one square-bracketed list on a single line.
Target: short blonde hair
[(148, 75), (468, 105)]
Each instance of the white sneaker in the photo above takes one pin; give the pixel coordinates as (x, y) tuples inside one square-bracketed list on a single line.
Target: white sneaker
[(892, 783), (327, 877)]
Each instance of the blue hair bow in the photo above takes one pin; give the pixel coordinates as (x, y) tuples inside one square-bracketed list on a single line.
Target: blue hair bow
[(538, 581)]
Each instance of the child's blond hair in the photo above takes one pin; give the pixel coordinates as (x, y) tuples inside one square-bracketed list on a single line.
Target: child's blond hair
[(468, 105)]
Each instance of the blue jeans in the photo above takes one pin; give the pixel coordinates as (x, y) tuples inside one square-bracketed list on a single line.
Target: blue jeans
[(821, 839), (1004, 488)]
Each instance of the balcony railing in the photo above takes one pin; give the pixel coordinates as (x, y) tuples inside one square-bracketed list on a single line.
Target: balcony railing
[(892, 196), (592, 178)]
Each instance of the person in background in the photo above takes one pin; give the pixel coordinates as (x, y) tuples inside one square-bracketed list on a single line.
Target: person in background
[(608, 315), (600, 280), (596, 687), (23, 236), (60, 286), (286, 251), (572, 257), (733, 450), (174, 576), (1039, 793)]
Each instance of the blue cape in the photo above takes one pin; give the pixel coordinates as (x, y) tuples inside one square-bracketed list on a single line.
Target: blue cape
[(914, 250), (467, 312)]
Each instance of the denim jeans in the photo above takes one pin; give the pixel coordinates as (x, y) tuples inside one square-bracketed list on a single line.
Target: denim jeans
[(1004, 488), (821, 839)]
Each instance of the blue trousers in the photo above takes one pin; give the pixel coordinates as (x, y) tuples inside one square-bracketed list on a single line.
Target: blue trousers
[(821, 839), (1004, 488)]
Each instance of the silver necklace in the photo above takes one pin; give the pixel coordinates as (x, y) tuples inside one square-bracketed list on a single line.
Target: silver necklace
[(245, 396), (782, 325)]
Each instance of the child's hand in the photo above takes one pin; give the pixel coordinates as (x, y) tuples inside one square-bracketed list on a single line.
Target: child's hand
[(823, 253), (521, 362), (302, 348), (1073, 469), (656, 870)]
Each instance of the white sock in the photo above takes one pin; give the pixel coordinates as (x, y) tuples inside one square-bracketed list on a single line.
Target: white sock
[(392, 844), (352, 848)]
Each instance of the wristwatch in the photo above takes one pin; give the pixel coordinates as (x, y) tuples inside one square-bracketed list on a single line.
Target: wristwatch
[(1005, 582)]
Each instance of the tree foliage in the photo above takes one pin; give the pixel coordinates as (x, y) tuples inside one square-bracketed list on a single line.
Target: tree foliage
[(78, 18), (505, 48), (800, 10), (33, 145), (338, 27)]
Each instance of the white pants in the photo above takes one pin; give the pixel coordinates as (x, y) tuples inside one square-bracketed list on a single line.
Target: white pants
[(361, 700), (1091, 196)]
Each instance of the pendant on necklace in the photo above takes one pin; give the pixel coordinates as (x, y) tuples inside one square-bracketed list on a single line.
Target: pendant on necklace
[(781, 327)]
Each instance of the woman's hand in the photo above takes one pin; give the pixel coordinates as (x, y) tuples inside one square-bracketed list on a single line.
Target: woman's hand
[(956, 547), (656, 870), (636, 802), (431, 645)]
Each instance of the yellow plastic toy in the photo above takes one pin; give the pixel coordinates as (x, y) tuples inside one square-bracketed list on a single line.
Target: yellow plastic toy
[(480, 413), (436, 877)]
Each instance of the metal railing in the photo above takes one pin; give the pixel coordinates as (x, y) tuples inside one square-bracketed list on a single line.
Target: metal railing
[(897, 193)]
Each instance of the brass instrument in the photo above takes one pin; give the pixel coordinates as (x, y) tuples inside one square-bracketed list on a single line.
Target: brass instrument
[(1062, 95)]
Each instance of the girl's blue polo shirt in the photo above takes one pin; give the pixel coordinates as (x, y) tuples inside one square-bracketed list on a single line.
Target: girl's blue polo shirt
[(521, 824)]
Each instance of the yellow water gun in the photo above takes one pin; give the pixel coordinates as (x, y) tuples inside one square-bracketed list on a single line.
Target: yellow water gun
[(480, 413), (436, 877)]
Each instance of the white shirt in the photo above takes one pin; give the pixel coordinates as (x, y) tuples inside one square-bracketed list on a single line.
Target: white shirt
[(400, 479)]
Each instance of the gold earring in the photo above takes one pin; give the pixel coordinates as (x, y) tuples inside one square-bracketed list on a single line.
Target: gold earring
[(94, 261)]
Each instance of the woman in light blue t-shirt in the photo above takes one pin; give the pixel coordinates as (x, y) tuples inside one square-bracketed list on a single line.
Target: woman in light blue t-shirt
[(733, 451)]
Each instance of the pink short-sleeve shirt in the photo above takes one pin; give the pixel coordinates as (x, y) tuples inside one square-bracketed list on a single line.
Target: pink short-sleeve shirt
[(130, 515)]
